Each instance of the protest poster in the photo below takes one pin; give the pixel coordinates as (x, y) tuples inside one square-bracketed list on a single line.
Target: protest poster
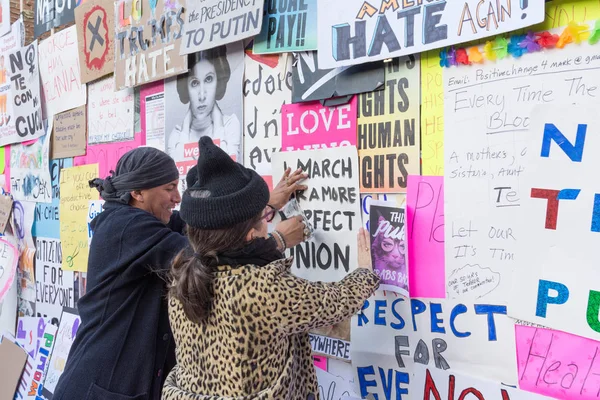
[(74, 204), (392, 335), (287, 27), (330, 347), (64, 11), (267, 87), (110, 112), (67, 330), (333, 387), (152, 110), (69, 138), (46, 219), (95, 38), (9, 42), (54, 285), (95, 208), (43, 19), (25, 95), (425, 236), (42, 361), (308, 126), (487, 154), (559, 207), (14, 362), (147, 41), (387, 230), (313, 82), (9, 256), (4, 17), (26, 374), (30, 169), (332, 206), (388, 129), (59, 72), (557, 364), (28, 331), (189, 116), (446, 385), (106, 155), (432, 114), (6, 203), (392, 28), (214, 23)]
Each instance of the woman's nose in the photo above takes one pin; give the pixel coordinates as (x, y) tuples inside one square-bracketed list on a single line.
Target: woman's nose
[(202, 93)]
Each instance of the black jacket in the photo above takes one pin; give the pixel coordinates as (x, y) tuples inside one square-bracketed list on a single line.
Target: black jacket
[(124, 347)]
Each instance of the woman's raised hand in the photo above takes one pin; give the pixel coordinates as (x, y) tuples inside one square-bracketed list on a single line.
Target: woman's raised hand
[(289, 184)]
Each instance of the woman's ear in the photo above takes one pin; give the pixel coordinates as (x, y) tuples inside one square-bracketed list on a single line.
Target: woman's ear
[(137, 196), (251, 235)]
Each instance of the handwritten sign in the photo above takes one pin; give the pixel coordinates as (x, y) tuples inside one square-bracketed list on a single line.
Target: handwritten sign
[(110, 113), (212, 23), (8, 42), (107, 155), (43, 17), (330, 347), (487, 153), (262, 103), (6, 203), (74, 203), (287, 26), (557, 364), (30, 170), (54, 286), (95, 21), (432, 114), (392, 335), (95, 208), (25, 95), (69, 138), (333, 387), (560, 208), (332, 205), (307, 126), (359, 31), (67, 330), (47, 216), (59, 70), (388, 130), (9, 256), (446, 385), (42, 361), (146, 51), (425, 236)]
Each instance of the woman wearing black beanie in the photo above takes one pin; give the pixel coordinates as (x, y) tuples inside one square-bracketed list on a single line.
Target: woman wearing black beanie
[(240, 319), (124, 347)]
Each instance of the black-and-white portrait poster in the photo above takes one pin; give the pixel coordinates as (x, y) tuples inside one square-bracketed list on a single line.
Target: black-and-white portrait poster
[(207, 101)]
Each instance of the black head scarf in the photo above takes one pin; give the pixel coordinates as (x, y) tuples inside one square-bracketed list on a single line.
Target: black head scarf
[(138, 169)]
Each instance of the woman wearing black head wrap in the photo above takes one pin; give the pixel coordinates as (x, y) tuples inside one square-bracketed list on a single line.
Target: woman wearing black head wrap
[(123, 349)]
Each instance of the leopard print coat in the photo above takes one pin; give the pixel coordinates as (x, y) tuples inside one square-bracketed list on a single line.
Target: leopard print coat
[(255, 343)]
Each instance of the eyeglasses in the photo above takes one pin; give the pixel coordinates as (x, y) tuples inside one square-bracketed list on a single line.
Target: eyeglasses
[(269, 213)]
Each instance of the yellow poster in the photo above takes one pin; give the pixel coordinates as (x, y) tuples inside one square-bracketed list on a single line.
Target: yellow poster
[(432, 114), (75, 195), (388, 130)]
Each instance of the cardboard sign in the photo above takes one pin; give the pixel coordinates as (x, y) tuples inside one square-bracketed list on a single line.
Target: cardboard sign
[(145, 49), (313, 82), (212, 23), (25, 95), (6, 203), (95, 21), (69, 138), (13, 362), (59, 70), (360, 31), (287, 26)]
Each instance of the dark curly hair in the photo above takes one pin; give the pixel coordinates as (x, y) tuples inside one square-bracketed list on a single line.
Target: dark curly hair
[(218, 58)]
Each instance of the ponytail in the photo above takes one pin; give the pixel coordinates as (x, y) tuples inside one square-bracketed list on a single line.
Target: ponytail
[(191, 284)]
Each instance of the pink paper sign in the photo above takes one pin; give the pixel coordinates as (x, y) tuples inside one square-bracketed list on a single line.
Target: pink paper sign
[(425, 231), (107, 154), (320, 362), (557, 364), (307, 126)]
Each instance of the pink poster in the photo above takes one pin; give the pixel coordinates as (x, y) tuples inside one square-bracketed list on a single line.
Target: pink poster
[(425, 230), (107, 154), (557, 364), (320, 362), (307, 126)]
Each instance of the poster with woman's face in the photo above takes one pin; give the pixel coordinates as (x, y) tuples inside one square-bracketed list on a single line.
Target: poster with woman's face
[(388, 245), (207, 101)]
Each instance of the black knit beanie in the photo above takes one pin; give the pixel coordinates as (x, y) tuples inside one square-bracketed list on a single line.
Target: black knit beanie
[(234, 193)]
